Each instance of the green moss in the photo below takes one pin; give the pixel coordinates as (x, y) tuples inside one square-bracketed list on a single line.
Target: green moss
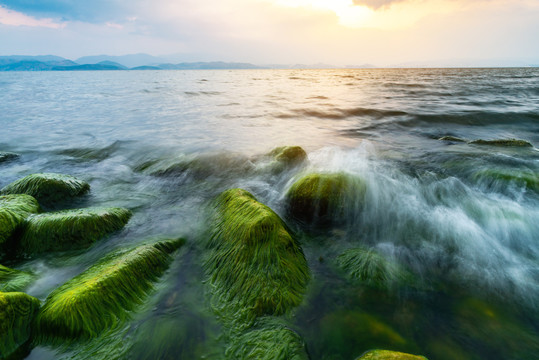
[(70, 229), (48, 188), (290, 155), (371, 268), (13, 280), (529, 179), (100, 297), (7, 156), (389, 355), (502, 142), (451, 138), (14, 209), (323, 198), (348, 333), (255, 265), (267, 341), (17, 311)]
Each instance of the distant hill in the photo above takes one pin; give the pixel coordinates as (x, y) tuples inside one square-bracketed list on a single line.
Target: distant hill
[(129, 61), (214, 65)]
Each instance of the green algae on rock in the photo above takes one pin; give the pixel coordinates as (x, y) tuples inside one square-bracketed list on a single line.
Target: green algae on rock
[(451, 138), (502, 142), (70, 229), (389, 355), (255, 265), (270, 341), (14, 209), (13, 280), (529, 179), (17, 311), (289, 155), (325, 198), (48, 188), (101, 297), (8, 156), (371, 268)]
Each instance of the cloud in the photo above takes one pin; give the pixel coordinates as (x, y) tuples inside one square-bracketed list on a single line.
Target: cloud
[(376, 4), (14, 18)]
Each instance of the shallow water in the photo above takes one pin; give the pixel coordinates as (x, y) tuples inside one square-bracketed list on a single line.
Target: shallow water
[(469, 238)]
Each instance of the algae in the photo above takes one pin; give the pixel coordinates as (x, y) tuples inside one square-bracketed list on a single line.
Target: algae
[(325, 198), (13, 280), (69, 229), (101, 297), (14, 209), (389, 355), (17, 311), (48, 188), (255, 265), (529, 179)]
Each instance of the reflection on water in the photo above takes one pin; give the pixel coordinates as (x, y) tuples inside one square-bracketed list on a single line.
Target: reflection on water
[(463, 219)]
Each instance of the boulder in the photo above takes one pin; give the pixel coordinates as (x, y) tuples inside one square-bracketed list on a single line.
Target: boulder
[(7, 156), (389, 355), (14, 209), (69, 229), (13, 280), (48, 188), (255, 265), (101, 297), (502, 142)]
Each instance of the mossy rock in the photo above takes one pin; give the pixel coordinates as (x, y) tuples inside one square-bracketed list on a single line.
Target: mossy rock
[(14, 209), (389, 355), (325, 198), (502, 142), (502, 177), (268, 341), (344, 334), (370, 268), (452, 139), (8, 156), (290, 155), (17, 311), (69, 229), (13, 280), (48, 188), (255, 265), (102, 296)]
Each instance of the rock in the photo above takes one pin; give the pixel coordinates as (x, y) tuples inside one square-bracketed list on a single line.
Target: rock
[(100, 297), (255, 265), (370, 268), (13, 280), (503, 177), (325, 198), (17, 311), (451, 138), (48, 188), (7, 156), (289, 155), (349, 333), (269, 341), (389, 355), (14, 209), (69, 229), (502, 142)]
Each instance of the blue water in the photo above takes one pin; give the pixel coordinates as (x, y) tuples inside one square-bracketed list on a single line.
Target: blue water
[(470, 239)]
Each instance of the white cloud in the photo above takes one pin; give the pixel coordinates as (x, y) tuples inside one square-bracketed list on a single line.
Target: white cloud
[(14, 18)]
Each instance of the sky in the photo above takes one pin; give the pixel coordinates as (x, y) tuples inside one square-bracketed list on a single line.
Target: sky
[(339, 32)]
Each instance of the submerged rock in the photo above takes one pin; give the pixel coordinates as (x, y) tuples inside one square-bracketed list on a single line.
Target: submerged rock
[(325, 198), (371, 268), (289, 155), (451, 138), (255, 265), (502, 177), (7, 156), (100, 297), (14, 209), (270, 341), (389, 355), (69, 229), (48, 188), (502, 142), (17, 311), (13, 280)]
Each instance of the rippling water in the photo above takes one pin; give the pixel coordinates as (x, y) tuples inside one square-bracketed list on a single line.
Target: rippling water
[(470, 238)]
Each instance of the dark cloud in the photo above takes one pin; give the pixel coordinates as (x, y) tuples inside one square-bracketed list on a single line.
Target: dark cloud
[(89, 11), (376, 4)]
